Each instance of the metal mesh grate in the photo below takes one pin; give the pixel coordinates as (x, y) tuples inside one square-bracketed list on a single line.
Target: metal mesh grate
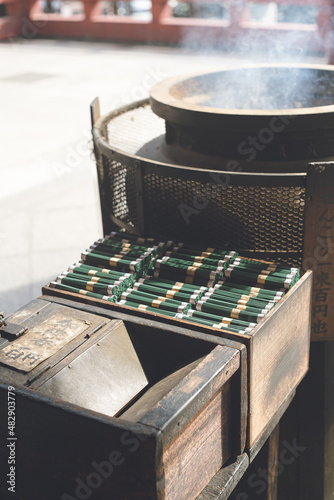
[(129, 131), (262, 218), (117, 190)]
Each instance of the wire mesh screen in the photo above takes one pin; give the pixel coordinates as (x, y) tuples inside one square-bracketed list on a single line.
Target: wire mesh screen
[(117, 191), (265, 219), (131, 130)]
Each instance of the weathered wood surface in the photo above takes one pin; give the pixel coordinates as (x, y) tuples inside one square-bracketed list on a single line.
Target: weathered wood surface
[(150, 398), (223, 483), (170, 351), (259, 481), (279, 356), (273, 448), (196, 422), (318, 251), (277, 350), (197, 388), (189, 434), (201, 449), (259, 443)]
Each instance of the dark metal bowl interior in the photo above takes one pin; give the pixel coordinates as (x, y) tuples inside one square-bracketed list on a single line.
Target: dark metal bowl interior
[(263, 88), (243, 98)]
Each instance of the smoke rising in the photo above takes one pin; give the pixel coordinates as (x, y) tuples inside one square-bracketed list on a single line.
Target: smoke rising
[(296, 33), (259, 88), (266, 31)]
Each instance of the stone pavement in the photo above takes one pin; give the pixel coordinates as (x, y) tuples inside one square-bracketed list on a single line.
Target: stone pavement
[(49, 202)]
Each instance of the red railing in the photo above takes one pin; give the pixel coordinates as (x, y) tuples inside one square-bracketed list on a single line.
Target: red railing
[(237, 29)]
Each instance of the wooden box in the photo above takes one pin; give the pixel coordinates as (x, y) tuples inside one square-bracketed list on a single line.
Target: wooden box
[(184, 416), (278, 350)]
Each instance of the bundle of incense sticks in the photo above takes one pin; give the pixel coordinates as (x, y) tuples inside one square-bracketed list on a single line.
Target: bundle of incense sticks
[(97, 285), (261, 292), (124, 280), (205, 286), (193, 264), (253, 272), (81, 291), (174, 269), (110, 266), (131, 238), (123, 254), (175, 292), (246, 328), (154, 301)]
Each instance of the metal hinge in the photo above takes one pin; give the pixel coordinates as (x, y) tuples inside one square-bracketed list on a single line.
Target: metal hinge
[(10, 330)]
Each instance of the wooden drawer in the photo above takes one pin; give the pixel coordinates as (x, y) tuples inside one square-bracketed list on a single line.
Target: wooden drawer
[(184, 415), (278, 349)]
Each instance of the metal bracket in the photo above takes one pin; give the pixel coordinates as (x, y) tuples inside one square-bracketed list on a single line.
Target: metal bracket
[(95, 111), (10, 330)]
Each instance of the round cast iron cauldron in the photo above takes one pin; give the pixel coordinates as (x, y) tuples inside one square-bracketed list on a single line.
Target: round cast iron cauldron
[(263, 118)]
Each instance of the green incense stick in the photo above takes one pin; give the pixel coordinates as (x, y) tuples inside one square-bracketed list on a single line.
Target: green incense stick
[(79, 291)]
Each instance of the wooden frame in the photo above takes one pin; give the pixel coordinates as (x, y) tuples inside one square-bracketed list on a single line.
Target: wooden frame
[(196, 415), (278, 349)]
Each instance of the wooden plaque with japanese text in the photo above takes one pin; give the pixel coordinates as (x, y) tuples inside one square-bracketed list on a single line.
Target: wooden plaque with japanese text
[(318, 252)]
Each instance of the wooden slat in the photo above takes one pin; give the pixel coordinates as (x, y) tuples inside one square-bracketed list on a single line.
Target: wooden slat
[(184, 401), (318, 252), (273, 446), (279, 356), (257, 446), (95, 111), (200, 450), (223, 483)]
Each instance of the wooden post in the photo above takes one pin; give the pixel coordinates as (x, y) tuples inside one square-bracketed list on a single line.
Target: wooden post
[(261, 479), (273, 445), (308, 424), (318, 251)]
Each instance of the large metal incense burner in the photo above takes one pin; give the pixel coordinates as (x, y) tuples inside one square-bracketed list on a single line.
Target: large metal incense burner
[(267, 118), (219, 157)]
